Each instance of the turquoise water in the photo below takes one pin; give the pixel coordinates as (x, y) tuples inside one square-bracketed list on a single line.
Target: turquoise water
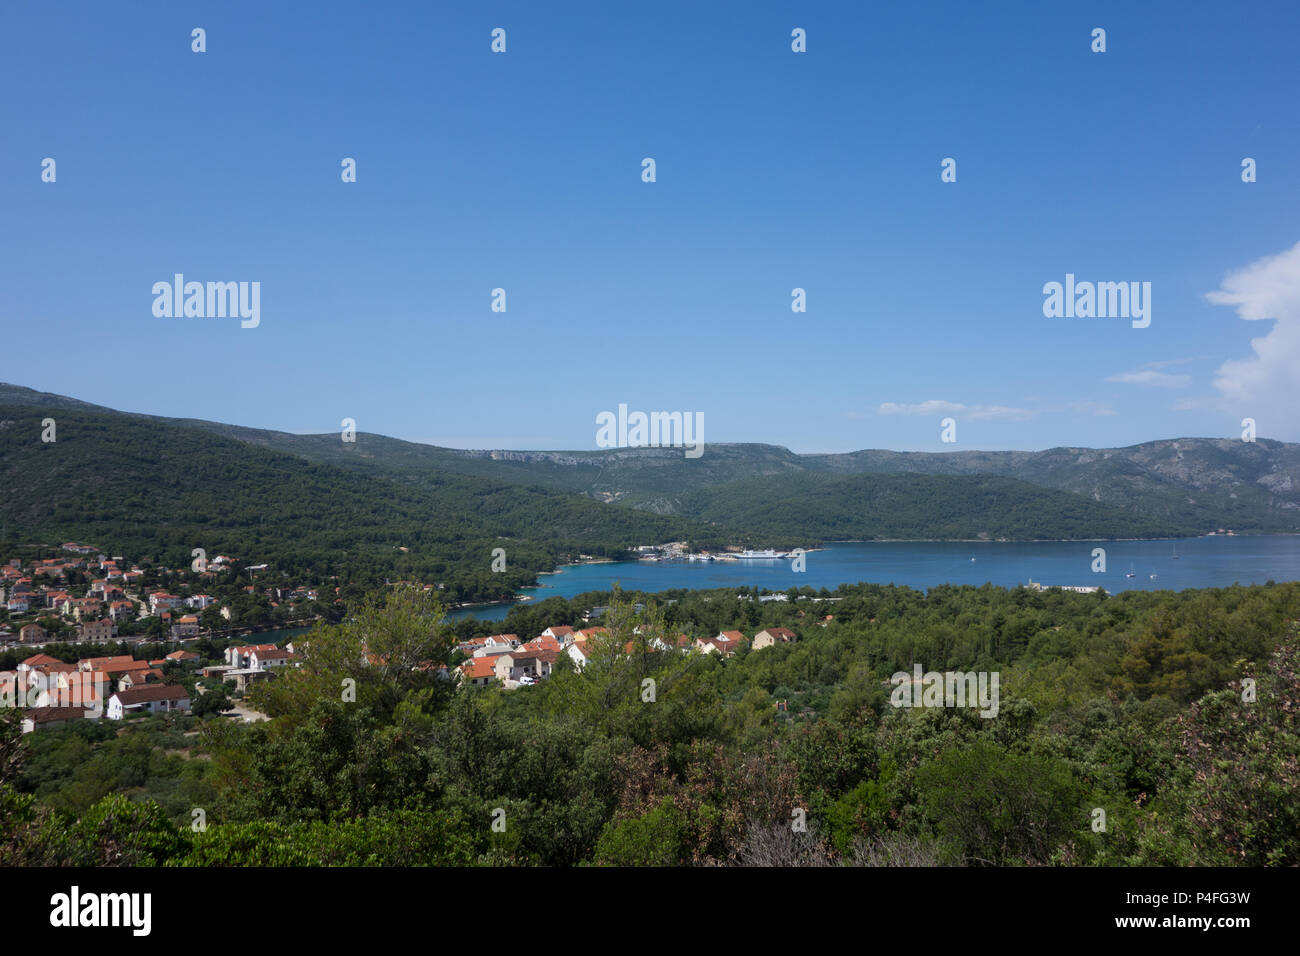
[(1216, 561)]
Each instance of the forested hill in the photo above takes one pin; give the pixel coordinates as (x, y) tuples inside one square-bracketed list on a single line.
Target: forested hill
[(388, 508), (1186, 483), (144, 488), (863, 507)]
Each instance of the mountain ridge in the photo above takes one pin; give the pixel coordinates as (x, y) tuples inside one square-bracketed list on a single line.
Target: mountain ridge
[(1192, 484)]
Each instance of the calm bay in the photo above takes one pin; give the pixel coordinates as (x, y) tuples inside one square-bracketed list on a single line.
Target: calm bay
[(1205, 562)]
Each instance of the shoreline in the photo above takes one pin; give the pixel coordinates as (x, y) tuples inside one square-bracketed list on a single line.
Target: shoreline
[(524, 598)]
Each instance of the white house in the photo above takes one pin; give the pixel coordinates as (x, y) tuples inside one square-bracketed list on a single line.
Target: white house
[(154, 698), (580, 654), (242, 656), (261, 659), (562, 633)]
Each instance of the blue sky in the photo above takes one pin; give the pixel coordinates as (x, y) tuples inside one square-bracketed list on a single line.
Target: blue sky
[(775, 170)]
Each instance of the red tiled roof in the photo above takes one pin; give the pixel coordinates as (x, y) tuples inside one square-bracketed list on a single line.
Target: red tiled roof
[(99, 663), (479, 667)]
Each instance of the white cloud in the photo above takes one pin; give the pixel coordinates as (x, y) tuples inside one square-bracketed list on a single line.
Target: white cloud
[(935, 406), (1266, 384), (1149, 376)]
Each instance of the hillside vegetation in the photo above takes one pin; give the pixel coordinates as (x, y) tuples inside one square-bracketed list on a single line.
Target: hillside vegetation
[(1173, 714)]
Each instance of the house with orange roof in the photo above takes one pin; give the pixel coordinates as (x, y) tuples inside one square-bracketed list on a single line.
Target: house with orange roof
[(728, 642), (478, 671), (162, 601), (36, 662), (186, 626), (543, 642), (100, 663)]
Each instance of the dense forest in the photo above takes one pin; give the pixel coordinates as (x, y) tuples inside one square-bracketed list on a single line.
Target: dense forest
[(1193, 483), (155, 490), (143, 488), (863, 507), (1154, 728)]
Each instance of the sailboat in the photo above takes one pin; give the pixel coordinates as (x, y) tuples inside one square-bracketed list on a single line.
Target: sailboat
[(1175, 551), (1130, 573)]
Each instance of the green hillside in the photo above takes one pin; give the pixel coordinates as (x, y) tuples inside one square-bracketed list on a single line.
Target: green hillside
[(145, 488), (315, 506), (862, 507), (1198, 484)]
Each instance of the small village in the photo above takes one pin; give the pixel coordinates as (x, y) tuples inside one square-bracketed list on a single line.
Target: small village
[(88, 596), (506, 660), (54, 692)]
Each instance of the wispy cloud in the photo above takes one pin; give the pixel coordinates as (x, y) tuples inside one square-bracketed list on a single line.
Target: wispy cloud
[(1149, 376), (1168, 363), (935, 406)]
